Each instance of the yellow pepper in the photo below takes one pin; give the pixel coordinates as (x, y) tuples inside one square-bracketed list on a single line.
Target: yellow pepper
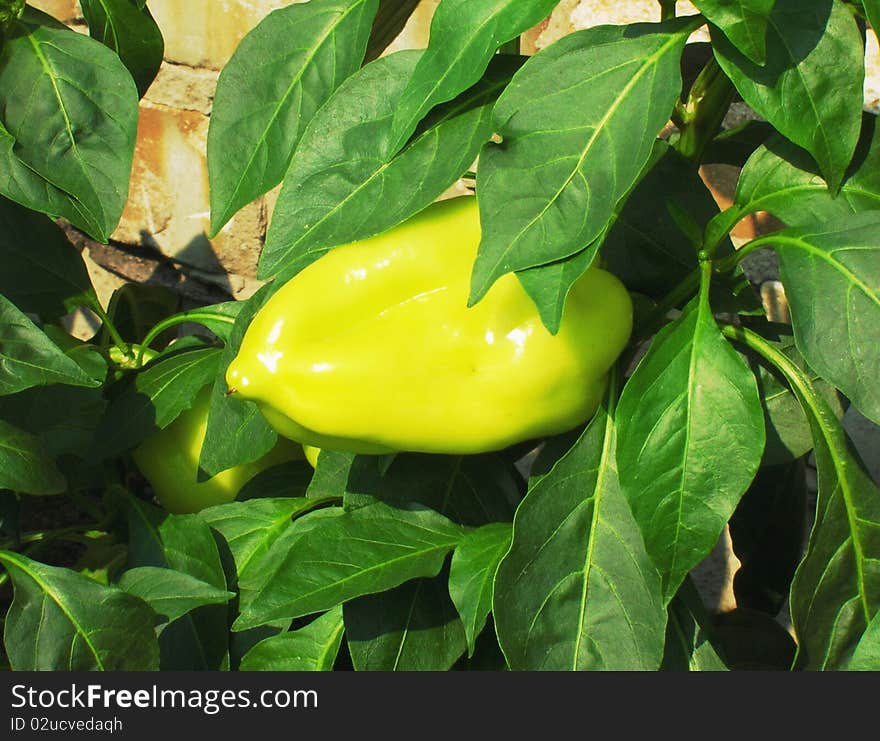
[(372, 348), (169, 460)]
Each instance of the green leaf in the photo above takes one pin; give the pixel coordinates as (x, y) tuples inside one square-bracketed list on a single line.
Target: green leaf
[(789, 435), (472, 575), (627, 242), (413, 627), (61, 621), (471, 490), (42, 272), (548, 285), (237, 432), (250, 528), (134, 308), (366, 550), (268, 566), (29, 358), (645, 247), (814, 104), (157, 396), (130, 31), (783, 179), (346, 183), (86, 355), (312, 648), (68, 124), (200, 639), (25, 465), (866, 657), (872, 10), (64, 418), (832, 281), (281, 73), (607, 92), (690, 645), (836, 589), (464, 37), (290, 479), (577, 589), (744, 23), (691, 437), (171, 594)]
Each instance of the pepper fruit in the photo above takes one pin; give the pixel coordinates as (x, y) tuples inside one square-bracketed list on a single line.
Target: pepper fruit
[(169, 461), (372, 348)]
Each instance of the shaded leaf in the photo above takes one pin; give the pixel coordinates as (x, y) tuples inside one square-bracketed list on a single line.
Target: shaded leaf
[(129, 30), (158, 395), (185, 543), (170, 593), (413, 627), (312, 648), (250, 528), (690, 644), (42, 271), (25, 465), (789, 435), (237, 432), (62, 621), (29, 358), (646, 248), (64, 418)]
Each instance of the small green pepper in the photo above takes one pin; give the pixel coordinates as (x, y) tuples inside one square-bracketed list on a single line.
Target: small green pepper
[(169, 460)]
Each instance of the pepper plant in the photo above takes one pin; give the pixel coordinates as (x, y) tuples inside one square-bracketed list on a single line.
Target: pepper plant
[(573, 552)]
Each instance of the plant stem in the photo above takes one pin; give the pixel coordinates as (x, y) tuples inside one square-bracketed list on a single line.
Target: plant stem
[(95, 306), (702, 114), (173, 321), (667, 9)]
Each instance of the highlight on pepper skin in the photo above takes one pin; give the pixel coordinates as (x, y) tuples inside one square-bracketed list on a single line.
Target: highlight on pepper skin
[(372, 348)]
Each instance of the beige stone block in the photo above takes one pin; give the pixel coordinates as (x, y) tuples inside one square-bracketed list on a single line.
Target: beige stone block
[(182, 87), (416, 32), (205, 33), (168, 204), (61, 10)]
